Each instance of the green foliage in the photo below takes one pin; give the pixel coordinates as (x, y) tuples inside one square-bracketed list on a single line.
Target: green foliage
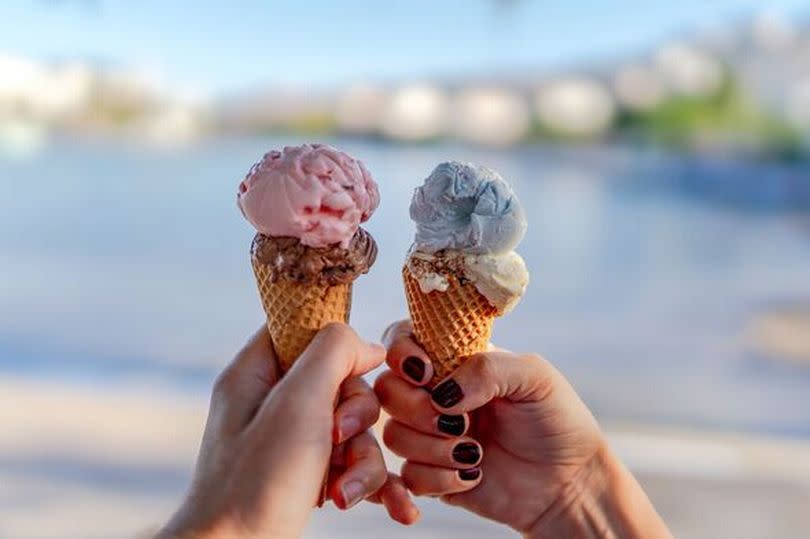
[(725, 120)]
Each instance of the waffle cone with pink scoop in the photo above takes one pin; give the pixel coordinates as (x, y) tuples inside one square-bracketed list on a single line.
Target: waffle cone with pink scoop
[(306, 203)]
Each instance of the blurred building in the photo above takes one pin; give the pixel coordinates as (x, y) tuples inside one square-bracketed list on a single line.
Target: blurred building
[(575, 107), (638, 87), (490, 116), (415, 112), (360, 108), (688, 70), (49, 93)]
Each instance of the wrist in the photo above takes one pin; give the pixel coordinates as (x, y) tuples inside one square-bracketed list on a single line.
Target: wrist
[(198, 519), (603, 502), (178, 528)]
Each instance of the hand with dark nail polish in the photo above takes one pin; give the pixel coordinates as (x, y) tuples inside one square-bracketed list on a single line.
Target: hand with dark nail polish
[(467, 453), (447, 393), (414, 367), (454, 425), (529, 443)]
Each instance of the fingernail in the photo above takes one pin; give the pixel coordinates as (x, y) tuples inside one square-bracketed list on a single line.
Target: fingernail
[(469, 475), (352, 492), (349, 426), (467, 453), (447, 393), (414, 367), (454, 425)]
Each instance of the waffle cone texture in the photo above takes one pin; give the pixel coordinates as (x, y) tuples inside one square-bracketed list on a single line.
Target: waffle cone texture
[(296, 311), (450, 325)]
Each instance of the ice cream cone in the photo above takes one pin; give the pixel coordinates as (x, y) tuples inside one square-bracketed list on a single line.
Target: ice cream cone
[(296, 311), (307, 203), (450, 325)]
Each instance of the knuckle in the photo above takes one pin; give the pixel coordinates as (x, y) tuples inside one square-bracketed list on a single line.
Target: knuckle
[(368, 408), (541, 370), (337, 331), (536, 360), (225, 382), (537, 364), (484, 367), (395, 330), (354, 385)]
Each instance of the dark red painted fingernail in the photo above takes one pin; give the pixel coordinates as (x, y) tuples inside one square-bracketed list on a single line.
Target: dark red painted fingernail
[(469, 475), (454, 425), (467, 453), (447, 393), (414, 367)]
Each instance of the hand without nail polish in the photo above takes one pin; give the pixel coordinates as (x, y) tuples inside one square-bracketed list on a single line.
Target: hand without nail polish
[(349, 426), (352, 493)]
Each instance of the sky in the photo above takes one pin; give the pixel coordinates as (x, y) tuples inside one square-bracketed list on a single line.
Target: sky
[(221, 47)]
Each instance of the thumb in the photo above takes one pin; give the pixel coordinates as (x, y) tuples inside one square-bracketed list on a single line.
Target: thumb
[(335, 354), (498, 374)]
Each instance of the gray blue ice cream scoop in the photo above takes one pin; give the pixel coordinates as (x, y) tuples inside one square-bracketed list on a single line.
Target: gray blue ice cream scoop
[(468, 208)]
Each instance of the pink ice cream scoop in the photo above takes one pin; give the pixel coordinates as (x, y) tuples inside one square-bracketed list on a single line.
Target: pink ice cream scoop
[(312, 192)]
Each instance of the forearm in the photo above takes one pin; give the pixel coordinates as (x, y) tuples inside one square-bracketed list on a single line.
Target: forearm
[(605, 503)]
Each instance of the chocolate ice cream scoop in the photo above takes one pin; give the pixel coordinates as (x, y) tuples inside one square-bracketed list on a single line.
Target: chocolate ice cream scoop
[(288, 258)]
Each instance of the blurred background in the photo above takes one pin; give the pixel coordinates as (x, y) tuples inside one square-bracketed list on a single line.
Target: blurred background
[(662, 150)]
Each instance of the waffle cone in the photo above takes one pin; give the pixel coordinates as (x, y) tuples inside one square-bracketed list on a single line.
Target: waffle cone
[(296, 311), (450, 325)]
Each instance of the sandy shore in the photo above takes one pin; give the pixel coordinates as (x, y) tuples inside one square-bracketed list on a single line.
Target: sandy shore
[(121, 473)]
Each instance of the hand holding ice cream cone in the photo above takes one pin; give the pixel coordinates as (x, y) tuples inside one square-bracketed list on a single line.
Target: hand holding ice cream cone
[(306, 203)]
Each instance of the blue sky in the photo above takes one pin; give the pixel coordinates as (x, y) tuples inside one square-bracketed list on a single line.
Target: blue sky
[(224, 46)]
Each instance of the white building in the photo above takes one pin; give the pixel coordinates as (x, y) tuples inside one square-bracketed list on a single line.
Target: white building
[(415, 112), (490, 116), (576, 107)]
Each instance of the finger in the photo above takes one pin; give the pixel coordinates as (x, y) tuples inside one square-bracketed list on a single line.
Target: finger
[(424, 480), (241, 388), (365, 472), (490, 375), (423, 448), (405, 357), (357, 412), (411, 405), (337, 460), (335, 354), (397, 500)]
